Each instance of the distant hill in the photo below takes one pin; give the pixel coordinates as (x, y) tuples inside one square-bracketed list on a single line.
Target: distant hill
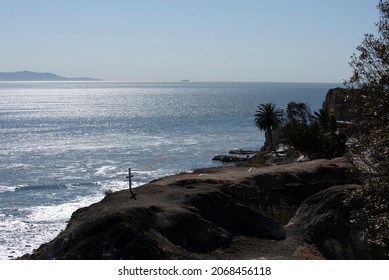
[(35, 76)]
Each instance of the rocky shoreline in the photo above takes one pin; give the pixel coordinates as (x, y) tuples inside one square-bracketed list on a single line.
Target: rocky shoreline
[(293, 211), (235, 156)]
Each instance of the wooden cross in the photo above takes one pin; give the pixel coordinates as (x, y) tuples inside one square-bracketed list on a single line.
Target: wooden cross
[(133, 195)]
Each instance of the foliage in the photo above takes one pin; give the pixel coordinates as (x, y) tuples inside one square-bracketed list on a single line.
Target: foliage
[(268, 118), (298, 112), (371, 78), (370, 214), (371, 74), (314, 135), (370, 95)]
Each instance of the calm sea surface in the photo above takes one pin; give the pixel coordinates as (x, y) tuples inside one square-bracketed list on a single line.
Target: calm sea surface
[(62, 144)]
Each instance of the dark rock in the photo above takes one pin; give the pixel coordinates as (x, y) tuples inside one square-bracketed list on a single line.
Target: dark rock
[(242, 152), (278, 138), (228, 158), (336, 103), (323, 219), (223, 210), (199, 215), (193, 233)]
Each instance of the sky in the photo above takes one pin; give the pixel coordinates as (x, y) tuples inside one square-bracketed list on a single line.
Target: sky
[(199, 40)]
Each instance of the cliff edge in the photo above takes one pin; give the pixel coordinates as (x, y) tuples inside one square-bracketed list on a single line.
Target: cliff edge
[(221, 213)]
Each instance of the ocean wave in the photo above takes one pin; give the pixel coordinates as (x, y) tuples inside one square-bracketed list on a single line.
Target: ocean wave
[(20, 237), (65, 186), (24, 231), (60, 212), (4, 189), (106, 170)]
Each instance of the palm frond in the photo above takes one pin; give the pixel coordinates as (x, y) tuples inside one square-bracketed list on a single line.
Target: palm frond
[(268, 117)]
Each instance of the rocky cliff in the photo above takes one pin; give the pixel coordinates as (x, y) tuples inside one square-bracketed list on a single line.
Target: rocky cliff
[(279, 212), (336, 103)]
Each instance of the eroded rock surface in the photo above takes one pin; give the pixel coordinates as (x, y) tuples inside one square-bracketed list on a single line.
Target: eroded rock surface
[(231, 213)]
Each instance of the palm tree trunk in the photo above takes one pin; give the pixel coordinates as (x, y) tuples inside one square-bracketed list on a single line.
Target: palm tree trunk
[(270, 137)]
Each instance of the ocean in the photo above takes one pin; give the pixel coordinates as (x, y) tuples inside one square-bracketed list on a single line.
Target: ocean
[(63, 144)]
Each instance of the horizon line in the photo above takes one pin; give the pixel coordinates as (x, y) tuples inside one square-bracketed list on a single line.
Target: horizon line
[(181, 81), (168, 81)]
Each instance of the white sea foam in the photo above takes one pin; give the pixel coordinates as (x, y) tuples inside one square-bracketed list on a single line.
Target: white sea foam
[(18, 165), (20, 237), (58, 213), (106, 170), (7, 188), (21, 234), (114, 185)]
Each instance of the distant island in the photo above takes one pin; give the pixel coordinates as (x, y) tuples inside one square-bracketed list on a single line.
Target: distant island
[(35, 76)]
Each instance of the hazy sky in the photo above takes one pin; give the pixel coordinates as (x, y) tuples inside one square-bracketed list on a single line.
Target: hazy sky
[(171, 40)]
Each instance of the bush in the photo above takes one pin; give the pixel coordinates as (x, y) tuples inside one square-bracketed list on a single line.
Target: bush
[(316, 136)]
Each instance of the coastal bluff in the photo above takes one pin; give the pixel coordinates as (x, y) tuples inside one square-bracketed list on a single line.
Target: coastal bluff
[(292, 211), (336, 102)]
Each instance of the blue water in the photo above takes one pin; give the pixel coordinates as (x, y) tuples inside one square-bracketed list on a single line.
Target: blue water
[(62, 144)]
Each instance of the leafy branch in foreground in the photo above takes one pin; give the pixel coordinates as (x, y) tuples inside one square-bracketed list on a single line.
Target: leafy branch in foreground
[(369, 92)]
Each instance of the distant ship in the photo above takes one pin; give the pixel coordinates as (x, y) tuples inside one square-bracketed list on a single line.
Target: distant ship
[(185, 81)]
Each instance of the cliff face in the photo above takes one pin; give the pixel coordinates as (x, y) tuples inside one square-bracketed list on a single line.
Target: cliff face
[(336, 103), (227, 213)]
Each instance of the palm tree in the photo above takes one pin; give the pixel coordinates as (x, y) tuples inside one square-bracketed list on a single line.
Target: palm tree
[(325, 121), (268, 118)]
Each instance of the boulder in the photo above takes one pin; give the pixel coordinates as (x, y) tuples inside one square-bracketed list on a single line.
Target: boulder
[(324, 221)]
